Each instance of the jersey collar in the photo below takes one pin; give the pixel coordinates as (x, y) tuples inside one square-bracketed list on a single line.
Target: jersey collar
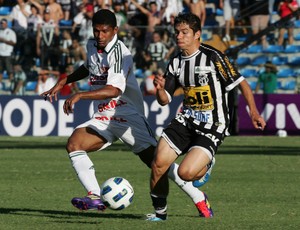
[(111, 44)]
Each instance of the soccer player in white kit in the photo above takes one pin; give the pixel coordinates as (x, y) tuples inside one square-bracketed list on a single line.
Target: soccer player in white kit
[(118, 111)]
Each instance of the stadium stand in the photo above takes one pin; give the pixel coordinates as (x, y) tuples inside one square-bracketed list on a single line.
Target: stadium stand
[(242, 61), (292, 49), (273, 49), (5, 10), (255, 49), (279, 60), (260, 60), (249, 72), (285, 73), (30, 87), (294, 61)]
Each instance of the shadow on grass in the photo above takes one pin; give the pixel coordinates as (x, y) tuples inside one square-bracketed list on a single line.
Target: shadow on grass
[(117, 146), (260, 150), (66, 214)]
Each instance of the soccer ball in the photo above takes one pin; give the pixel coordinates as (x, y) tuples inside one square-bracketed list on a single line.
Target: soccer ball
[(117, 193)]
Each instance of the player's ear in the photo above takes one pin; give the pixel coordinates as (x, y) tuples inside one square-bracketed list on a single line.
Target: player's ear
[(198, 35)]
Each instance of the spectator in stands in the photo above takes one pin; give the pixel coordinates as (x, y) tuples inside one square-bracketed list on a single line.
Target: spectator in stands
[(18, 81), (64, 47), (83, 21), (8, 40), (130, 8), (55, 11), (120, 14), (102, 4), (66, 8), (271, 10), (47, 79), (157, 52), (168, 39), (47, 41), (40, 8), (33, 20), (268, 79), (197, 7), (231, 9), (154, 17), (29, 45), (285, 8), (77, 53), (70, 88), (147, 85), (173, 7), (19, 15), (259, 17)]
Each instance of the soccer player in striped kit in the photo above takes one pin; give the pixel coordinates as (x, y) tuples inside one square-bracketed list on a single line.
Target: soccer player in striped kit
[(206, 76), (118, 111)]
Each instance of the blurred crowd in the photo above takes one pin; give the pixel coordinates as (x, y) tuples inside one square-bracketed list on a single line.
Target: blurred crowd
[(48, 37)]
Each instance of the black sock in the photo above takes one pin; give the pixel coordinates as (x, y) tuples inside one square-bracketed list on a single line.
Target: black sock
[(160, 206)]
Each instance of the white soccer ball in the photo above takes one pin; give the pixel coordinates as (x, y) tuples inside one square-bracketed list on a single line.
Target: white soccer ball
[(117, 193)]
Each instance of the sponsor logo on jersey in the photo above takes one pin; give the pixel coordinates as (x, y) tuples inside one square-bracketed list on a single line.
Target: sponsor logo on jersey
[(98, 80), (110, 105), (108, 118), (221, 70), (231, 68), (198, 115)]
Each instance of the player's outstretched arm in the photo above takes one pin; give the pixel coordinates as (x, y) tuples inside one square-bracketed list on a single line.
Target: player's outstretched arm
[(77, 75), (257, 121)]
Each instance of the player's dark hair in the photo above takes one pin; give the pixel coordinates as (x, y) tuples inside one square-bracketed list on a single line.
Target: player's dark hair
[(190, 19), (105, 17)]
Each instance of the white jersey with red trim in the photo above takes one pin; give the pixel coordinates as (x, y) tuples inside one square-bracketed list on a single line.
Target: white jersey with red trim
[(113, 66)]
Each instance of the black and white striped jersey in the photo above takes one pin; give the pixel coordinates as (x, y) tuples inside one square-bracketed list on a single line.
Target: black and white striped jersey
[(206, 77), (157, 50)]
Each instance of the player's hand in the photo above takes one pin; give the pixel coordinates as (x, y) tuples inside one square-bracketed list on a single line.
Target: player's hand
[(69, 103), (52, 92), (159, 81), (258, 122)]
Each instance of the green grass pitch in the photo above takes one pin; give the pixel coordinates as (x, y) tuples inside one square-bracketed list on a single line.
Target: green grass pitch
[(255, 184)]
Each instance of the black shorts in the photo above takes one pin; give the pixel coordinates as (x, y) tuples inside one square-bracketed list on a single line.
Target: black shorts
[(182, 134)]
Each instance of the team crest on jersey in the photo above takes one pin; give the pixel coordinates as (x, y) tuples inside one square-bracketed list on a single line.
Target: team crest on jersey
[(203, 79), (202, 72)]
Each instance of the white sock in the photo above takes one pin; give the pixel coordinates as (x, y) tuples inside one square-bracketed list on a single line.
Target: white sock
[(187, 186), (85, 171)]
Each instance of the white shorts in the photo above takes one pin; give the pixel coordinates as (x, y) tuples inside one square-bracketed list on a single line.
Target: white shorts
[(133, 130), (230, 10)]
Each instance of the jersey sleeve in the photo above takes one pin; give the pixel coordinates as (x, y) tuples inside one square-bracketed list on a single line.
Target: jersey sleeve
[(171, 78), (227, 72), (119, 69)]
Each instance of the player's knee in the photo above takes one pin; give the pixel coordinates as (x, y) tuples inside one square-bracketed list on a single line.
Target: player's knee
[(158, 168), (185, 174), (72, 146)]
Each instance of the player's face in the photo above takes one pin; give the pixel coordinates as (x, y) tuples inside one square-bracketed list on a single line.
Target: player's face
[(185, 36), (104, 34)]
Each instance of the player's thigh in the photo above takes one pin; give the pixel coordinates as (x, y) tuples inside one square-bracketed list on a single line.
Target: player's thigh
[(86, 139), (164, 155), (194, 163)]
